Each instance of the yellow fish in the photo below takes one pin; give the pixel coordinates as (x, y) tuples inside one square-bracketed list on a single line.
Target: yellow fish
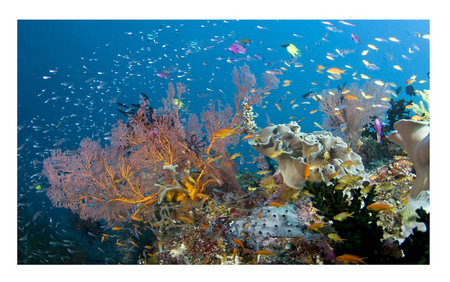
[(278, 106), (348, 163), (366, 96), (364, 76), (318, 125), (225, 132), (179, 105), (335, 237), (330, 58), (416, 117), (313, 111), (235, 156), (397, 68), (276, 153), (293, 50), (345, 92), (394, 39), (379, 82), (286, 84), (347, 66), (385, 99), (365, 52), (372, 47), (262, 172), (342, 216)]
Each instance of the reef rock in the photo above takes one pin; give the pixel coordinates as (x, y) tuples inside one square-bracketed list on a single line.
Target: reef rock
[(414, 137), (296, 146)]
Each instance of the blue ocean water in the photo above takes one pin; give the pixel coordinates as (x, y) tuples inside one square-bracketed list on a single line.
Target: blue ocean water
[(72, 73)]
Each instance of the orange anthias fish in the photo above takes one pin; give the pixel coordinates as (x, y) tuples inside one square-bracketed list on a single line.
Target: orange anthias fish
[(264, 252), (410, 81), (248, 137), (185, 219), (334, 175), (335, 71), (136, 218), (275, 204), (238, 242), (350, 97), (225, 132), (350, 259), (316, 226), (307, 169), (379, 207)]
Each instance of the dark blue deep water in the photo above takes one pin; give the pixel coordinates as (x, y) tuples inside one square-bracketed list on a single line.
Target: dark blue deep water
[(72, 73)]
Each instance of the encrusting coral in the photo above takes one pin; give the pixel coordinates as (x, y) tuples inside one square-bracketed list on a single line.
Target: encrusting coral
[(326, 156)]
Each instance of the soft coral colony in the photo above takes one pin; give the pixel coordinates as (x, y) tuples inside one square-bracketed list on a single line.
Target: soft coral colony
[(174, 177), (156, 156)]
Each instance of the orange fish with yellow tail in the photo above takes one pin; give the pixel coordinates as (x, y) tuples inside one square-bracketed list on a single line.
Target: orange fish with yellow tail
[(307, 169), (225, 132), (350, 259)]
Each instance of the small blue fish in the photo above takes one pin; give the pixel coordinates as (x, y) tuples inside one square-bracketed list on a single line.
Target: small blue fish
[(216, 201)]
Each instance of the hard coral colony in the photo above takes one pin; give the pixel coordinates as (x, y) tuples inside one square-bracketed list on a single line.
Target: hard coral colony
[(314, 202)]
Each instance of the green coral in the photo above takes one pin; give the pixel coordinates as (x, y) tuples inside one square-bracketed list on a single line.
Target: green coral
[(420, 108)]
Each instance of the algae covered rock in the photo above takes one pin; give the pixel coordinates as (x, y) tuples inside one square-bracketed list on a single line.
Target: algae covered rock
[(324, 152)]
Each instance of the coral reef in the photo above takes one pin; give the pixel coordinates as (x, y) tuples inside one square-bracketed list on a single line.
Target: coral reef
[(359, 228), (372, 152), (346, 114), (414, 137), (294, 151)]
